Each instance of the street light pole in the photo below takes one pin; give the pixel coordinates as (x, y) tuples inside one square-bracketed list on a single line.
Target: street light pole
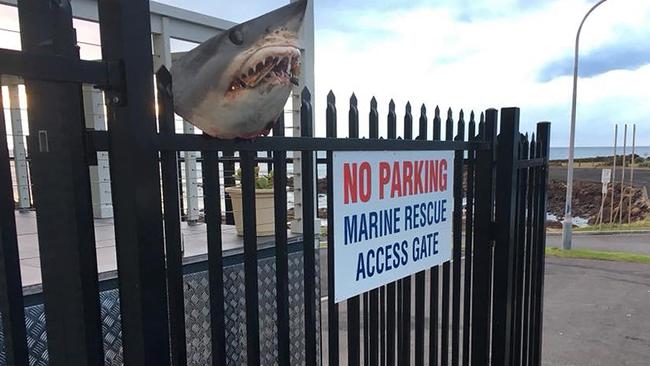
[(567, 224)]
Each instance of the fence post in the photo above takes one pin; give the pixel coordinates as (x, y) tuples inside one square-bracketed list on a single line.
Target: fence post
[(126, 37), (543, 138), (172, 218), (504, 248), (483, 216), (62, 192)]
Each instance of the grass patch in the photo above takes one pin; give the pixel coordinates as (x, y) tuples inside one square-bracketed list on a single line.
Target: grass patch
[(598, 255), (638, 225)]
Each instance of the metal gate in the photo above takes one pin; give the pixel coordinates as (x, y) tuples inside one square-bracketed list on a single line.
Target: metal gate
[(484, 307)]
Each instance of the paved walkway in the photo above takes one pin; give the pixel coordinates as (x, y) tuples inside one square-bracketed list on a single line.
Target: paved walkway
[(194, 241)]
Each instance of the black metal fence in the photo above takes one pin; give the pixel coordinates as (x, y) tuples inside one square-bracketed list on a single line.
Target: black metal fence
[(483, 307)]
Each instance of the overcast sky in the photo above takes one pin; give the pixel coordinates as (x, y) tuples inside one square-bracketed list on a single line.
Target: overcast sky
[(475, 54), (482, 53)]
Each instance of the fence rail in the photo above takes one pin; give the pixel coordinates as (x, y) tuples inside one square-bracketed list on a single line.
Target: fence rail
[(484, 307)]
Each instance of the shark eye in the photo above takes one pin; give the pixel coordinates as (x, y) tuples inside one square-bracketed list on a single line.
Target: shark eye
[(236, 37)]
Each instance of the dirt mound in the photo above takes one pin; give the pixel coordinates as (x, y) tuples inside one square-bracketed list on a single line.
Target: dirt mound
[(587, 197)]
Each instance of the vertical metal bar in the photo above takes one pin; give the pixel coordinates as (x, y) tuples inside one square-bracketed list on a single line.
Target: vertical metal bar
[(504, 249), (269, 163), (420, 276), (483, 216), (390, 292), (309, 251), (469, 243), (11, 289), (446, 275), (354, 353), (543, 135), (520, 248), (126, 38), (532, 344), (229, 180), (434, 280), (373, 119), (366, 328), (458, 242), (281, 250), (62, 194), (247, 165), (382, 325), (212, 214), (528, 274), (434, 316), (332, 307), (172, 218), (404, 330)]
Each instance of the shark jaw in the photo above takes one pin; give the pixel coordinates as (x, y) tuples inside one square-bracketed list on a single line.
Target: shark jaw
[(271, 65)]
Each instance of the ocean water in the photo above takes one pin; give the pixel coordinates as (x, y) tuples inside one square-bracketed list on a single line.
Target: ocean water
[(559, 153)]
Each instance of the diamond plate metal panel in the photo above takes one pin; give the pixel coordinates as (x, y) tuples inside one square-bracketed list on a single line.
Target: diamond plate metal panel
[(197, 317)]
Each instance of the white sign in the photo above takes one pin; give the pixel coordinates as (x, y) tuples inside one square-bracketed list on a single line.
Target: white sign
[(392, 216), (606, 176)]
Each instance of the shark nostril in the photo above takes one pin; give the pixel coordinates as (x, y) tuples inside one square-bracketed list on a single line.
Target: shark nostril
[(251, 72)]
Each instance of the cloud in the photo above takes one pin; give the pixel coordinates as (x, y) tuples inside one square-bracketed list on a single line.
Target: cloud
[(491, 57), (629, 55)]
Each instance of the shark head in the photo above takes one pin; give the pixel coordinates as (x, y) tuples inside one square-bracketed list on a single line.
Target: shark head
[(235, 85)]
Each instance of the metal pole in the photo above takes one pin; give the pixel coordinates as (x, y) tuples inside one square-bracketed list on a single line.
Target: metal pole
[(629, 204), (568, 220), (611, 208), (620, 204)]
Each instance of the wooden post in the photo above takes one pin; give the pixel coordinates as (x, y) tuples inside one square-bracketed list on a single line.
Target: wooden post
[(629, 205), (620, 203), (611, 208)]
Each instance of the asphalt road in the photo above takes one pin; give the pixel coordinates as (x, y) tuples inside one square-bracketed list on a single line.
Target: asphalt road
[(595, 313), (641, 176)]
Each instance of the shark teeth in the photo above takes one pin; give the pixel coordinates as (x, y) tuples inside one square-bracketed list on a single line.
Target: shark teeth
[(284, 67)]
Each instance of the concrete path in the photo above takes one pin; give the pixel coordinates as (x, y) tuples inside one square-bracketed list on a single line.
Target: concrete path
[(633, 243)]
